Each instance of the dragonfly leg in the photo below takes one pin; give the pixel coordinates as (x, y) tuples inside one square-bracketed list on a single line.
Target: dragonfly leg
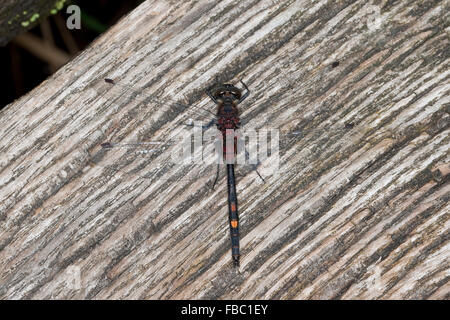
[(255, 166), (211, 96), (204, 127), (217, 176), (246, 94), (210, 124), (259, 175)]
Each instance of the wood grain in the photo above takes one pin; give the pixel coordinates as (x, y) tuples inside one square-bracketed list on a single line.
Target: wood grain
[(353, 214)]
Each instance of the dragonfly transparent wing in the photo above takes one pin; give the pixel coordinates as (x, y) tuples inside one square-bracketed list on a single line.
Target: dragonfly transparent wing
[(154, 159), (111, 89)]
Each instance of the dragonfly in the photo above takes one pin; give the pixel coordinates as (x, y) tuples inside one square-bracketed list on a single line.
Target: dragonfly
[(227, 121), (227, 97)]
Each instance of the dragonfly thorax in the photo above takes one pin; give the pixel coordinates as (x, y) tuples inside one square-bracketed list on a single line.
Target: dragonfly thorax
[(224, 123), (227, 116), (228, 108)]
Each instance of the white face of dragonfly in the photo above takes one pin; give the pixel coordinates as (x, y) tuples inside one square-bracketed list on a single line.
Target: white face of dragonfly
[(227, 92)]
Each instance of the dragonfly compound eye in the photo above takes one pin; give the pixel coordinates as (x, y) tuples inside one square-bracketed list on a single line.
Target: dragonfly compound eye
[(236, 94), (227, 90)]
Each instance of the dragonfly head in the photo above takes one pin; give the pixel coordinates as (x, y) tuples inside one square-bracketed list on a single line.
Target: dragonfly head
[(226, 91)]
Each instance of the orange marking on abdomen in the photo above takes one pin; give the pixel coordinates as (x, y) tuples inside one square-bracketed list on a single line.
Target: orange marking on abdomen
[(233, 206), (234, 223)]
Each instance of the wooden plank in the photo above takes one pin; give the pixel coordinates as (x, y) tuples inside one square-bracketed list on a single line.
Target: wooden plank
[(356, 213)]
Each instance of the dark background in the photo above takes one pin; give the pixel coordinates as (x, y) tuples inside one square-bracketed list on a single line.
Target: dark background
[(22, 70)]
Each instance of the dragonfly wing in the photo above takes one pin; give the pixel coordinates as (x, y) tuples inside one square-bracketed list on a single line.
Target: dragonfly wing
[(263, 136), (151, 160), (266, 150), (110, 88)]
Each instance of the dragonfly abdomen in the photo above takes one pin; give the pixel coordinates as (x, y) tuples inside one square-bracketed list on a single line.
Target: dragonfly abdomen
[(233, 215)]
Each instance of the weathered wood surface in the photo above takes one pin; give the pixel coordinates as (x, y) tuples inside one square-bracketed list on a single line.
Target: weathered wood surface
[(355, 215)]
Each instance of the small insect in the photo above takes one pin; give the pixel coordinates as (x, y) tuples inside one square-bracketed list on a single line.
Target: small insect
[(349, 125)]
